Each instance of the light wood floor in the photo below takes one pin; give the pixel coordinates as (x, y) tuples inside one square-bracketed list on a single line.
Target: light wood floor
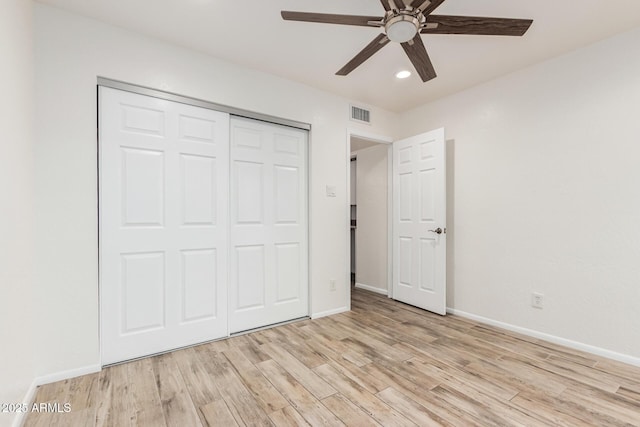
[(384, 363)]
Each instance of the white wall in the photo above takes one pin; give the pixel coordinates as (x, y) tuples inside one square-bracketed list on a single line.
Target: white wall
[(542, 166), (371, 231), (544, 195), (16, 198), (70, 52)]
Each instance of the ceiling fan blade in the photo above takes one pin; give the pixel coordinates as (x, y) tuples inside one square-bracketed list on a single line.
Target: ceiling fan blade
[(329, 18), (399, 4), (426, 6), (385, 4), (419, 57), (366, 53), (417, 3), (476, 25)]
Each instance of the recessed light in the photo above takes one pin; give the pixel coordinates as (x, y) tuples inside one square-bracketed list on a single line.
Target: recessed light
[(403, 74)]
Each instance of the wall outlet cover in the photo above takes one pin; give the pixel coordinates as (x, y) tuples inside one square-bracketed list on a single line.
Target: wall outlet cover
[(537, 300)]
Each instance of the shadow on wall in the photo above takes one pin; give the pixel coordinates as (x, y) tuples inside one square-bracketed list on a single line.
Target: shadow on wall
[(451, 292)]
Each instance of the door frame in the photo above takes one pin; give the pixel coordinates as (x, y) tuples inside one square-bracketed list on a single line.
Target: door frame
[(174, 97), (388, 141)]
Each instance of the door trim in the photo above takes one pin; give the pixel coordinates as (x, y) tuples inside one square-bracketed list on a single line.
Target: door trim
[(170, 96)]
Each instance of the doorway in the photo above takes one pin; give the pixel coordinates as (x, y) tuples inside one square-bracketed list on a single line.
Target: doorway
[(370, 202), (416, 219)]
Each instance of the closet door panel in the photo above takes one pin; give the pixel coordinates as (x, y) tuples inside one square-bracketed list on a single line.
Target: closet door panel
[(268, 233), (164, 187)]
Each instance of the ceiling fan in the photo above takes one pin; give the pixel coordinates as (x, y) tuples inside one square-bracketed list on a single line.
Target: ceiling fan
[(404, 23)]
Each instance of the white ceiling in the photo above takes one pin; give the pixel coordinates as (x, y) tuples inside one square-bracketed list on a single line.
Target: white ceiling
[(252, 33), (360, 144)]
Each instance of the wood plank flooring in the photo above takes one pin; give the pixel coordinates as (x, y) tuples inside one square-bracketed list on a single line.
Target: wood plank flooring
[(383, 363)]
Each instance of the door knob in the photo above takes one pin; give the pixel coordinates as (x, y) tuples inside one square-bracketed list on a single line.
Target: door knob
[(437, 230)]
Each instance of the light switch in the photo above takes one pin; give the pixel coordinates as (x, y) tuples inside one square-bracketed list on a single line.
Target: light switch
[(331, 191)]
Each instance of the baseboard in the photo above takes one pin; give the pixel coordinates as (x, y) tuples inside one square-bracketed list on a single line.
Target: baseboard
[(65, 375), (329, 312), (624, 358), (30, 395), (21, 417), (372, 289)]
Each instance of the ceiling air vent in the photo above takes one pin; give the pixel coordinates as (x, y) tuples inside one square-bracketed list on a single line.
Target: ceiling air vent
[(361, 115)]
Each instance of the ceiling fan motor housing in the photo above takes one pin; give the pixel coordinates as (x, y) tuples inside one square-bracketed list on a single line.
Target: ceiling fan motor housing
[(402, 26)]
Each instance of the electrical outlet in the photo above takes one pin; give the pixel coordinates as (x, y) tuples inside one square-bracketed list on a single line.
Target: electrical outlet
[(332, 285), (537, 300)]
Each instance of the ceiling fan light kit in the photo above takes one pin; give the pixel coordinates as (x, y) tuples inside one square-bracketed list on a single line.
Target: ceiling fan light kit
[(404, 24), (402, 27)]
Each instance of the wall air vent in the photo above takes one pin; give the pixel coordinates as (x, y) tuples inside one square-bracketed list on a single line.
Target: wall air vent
[(360, 115)]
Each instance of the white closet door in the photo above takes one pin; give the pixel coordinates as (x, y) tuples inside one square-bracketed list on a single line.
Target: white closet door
[(268, 278), (163, 224)]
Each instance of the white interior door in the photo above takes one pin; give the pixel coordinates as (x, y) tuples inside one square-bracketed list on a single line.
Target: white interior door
[(268, 278), (163, 224), (419, 227)]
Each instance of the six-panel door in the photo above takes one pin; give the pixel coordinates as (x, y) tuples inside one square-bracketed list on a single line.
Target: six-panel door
[(419, 221), (268, 255), (163, 224)]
